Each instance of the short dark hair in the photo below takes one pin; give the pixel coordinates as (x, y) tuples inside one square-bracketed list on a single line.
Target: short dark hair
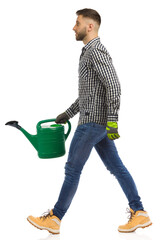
[(90, 13)]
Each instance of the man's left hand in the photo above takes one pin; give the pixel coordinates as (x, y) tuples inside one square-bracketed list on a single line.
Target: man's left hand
[(112, 130)]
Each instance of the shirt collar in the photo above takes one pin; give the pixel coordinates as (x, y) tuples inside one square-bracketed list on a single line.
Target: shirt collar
[(90, 43)]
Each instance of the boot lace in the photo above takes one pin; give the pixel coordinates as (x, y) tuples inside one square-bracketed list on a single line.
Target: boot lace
[(131, 215), (45, 214)]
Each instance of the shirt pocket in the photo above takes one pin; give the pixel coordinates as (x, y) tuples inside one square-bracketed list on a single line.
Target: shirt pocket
[(83, 70)]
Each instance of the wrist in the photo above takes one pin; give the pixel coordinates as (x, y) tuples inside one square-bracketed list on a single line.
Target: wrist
[(69, 113), (112, 124)]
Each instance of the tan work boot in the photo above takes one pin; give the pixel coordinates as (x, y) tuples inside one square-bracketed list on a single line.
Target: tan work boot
[(138, 219), (47, 221)]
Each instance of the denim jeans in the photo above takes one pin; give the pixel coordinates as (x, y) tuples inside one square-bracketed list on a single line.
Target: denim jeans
[(85, 138)]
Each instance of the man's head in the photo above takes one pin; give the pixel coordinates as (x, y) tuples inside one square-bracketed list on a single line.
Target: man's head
[(87, 24)]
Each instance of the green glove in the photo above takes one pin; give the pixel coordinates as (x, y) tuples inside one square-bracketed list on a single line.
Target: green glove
[(112, 130)]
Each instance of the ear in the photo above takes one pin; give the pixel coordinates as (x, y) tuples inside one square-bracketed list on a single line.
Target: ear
[(90, 27)]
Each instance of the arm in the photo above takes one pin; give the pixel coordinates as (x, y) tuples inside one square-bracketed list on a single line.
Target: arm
[(102, 64), (73, 109)]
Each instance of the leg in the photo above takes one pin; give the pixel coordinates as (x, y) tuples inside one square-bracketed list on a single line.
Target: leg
[(82, 143), (109, 155)]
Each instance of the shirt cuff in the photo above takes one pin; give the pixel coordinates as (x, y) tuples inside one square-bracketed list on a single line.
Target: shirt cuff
[(69, 113), (112, 118)]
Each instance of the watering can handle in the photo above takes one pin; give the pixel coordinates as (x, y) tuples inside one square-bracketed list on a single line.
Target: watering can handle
[(69, 129), (53, 120)]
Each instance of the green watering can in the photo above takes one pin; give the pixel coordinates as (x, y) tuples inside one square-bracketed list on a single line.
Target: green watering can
[(49, 141)]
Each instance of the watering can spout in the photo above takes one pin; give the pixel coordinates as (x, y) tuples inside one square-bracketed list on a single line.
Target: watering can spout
[(30, 137)]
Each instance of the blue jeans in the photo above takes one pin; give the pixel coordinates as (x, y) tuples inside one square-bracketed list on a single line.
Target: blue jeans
[(85, 138)]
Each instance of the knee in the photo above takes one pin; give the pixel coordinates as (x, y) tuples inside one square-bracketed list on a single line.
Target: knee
[(120, 171), (72, 174), (111, 170)]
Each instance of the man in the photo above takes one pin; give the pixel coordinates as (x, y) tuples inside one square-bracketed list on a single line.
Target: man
[(98, 104)]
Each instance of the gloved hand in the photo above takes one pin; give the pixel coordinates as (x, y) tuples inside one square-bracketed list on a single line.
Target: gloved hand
[(62, 118), (112, 130)]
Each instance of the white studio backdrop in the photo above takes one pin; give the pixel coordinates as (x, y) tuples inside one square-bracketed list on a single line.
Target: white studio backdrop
[(39, 80)]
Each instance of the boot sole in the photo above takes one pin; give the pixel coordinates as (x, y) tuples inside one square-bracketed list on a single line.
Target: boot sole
[(133, 229), (43, 228)]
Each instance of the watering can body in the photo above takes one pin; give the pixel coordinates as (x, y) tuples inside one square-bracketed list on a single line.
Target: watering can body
[(49, 141)]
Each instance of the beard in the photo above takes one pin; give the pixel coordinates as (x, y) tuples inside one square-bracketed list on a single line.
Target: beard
[(81, 35)]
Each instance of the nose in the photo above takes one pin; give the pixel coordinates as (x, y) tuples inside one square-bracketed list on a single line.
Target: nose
[(74, 29)]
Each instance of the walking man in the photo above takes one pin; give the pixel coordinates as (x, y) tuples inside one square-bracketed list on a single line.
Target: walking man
[(98, 104)]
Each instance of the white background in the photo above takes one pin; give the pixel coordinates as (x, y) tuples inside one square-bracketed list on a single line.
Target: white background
[(39, 80)]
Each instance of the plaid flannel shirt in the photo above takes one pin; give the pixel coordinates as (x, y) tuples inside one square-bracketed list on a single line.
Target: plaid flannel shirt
[(99, 87)]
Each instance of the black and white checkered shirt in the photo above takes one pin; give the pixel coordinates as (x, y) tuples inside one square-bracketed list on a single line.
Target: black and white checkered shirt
[(99, 87)]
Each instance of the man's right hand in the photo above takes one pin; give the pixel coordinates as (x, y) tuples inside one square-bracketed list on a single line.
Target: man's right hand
[(62, 118)]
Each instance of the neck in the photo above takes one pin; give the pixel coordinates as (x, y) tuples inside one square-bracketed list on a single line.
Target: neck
[(89, 38)]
